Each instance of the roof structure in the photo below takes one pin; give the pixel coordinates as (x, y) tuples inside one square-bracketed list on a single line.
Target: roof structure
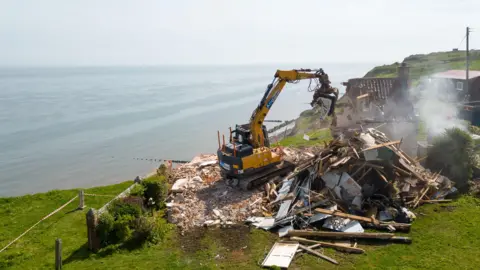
[(379, 87), (457, 74)]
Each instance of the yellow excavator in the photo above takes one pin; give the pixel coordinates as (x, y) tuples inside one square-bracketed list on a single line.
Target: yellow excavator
[(247, 159)]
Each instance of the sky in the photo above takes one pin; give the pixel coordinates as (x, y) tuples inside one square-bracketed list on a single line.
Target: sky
[(223, 32)]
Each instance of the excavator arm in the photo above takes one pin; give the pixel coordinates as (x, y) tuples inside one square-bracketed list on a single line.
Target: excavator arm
[(273, 90)]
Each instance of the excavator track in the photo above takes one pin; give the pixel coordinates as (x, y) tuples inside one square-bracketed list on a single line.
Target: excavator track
[(260, 178)]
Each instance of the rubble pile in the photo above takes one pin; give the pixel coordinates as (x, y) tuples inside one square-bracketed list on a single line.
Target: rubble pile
[(356, 182), (198, 197), (359, 180)]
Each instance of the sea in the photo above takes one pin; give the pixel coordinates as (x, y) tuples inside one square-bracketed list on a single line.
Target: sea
[(71, 127)]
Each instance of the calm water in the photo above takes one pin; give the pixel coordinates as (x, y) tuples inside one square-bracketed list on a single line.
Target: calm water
[(81, 127)]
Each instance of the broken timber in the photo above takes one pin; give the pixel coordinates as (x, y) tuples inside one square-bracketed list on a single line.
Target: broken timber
[(309, 250), (345, 235), (330, 245)]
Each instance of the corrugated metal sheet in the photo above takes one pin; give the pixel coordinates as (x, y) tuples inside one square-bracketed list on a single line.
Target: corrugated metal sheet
[(457, 74)]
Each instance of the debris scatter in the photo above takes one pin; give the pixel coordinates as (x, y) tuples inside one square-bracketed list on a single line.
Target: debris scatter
[(357, 181)]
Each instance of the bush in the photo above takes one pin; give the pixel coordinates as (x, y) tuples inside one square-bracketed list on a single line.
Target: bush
[(137, 190), (150, 230), (453, 154), (474, 129), (123, 207), (157, 190), (162, 170), (104, 228), (121, 228), (144, 230)]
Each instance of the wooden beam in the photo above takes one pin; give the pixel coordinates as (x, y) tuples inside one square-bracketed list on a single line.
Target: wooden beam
[(330, 245), (363, 175), (402, 227), (402, 170), (311, 251), (436, 201), (312, 247), (381, 145), (341, 235), (382, 176), (421, 196)]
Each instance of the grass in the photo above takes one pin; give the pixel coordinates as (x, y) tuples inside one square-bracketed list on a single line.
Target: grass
[(36, 248), (425, 64), (316, 137), (443, 236)]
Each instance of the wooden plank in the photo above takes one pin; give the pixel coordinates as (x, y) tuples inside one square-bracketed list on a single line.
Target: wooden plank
[(402, 170), (436, 201), (341, 161), (382, 176), (344, 215), (381, 145), (357, 171), (403, 227), (309, 250), (341, 235), (306, 208), (354, 150), (312, 247), (421, 196), (330, 245), (363, 175), (409, 168)]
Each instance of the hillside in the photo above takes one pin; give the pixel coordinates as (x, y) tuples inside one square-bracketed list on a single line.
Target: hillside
[(425, 64)]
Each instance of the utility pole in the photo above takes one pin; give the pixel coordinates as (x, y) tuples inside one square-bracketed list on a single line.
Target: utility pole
[(467, 57)]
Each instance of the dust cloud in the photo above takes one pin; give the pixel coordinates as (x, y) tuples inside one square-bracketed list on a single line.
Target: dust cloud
[(436, 106)]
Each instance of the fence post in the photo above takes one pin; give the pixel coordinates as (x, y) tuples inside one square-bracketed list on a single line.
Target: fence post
[(92, 221), (58, 254), (81, 200)]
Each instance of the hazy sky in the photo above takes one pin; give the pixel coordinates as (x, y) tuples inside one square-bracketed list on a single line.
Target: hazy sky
[(121, 32)]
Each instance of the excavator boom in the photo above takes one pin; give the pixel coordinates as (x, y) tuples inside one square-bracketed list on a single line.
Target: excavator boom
[(273, 90), (246, 160)]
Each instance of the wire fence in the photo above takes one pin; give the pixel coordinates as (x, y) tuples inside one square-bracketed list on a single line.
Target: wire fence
[(51, 214), (34, 225)]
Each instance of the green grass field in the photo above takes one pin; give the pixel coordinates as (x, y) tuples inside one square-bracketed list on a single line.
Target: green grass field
[(425, 64), (444, 236)]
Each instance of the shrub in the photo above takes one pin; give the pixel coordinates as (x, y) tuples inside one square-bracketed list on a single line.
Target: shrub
[(137, 190), (104, 228), (144, 230), (453, 154), (150, 230), (121, 228), (474, 129), (162, 170), (157, 190), (122, 207)]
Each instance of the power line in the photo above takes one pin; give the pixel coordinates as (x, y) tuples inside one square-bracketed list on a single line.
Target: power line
[(461, 41)]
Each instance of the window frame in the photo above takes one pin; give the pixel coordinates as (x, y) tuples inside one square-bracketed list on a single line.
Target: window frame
[(457, 84)]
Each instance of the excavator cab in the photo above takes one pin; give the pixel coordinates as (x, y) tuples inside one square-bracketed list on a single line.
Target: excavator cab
[(239, 147)]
